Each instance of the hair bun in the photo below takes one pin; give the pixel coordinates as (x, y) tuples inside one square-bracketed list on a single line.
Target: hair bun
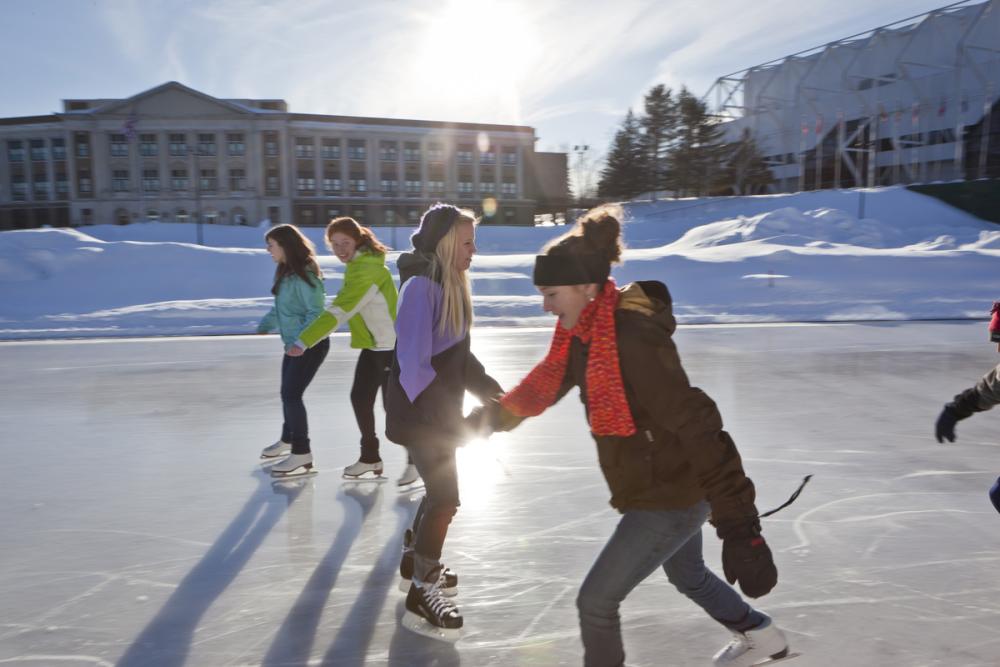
[(601, 231)]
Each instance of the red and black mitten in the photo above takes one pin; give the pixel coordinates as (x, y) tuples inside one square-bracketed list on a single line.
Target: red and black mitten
[(746, 558)]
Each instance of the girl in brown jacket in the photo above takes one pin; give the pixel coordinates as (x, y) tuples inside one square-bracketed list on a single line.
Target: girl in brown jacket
[(660, 445)]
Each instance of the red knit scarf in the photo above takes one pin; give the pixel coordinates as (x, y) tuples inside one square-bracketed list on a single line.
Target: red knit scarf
[(606, 403)]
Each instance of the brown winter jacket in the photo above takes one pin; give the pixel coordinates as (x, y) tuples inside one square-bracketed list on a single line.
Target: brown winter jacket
[(981, 397), (679, 454)]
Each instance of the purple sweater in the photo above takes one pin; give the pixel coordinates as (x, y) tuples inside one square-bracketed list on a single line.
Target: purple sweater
[(417, 337)]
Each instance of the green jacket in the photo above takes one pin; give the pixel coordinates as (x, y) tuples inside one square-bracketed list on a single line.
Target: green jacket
[(366, 301), (295, 305)]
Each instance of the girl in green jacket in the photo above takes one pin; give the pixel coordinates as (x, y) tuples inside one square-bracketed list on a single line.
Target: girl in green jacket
[(298, 299), (367, 302)]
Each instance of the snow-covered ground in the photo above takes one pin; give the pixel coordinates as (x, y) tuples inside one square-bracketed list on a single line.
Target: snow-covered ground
[(798, 257)]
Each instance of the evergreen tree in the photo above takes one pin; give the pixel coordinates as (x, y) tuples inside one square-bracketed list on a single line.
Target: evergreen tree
[(659, 127), (623, 174), (746, 172), (698, 158)]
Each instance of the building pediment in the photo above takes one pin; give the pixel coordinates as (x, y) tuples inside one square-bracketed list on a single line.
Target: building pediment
[(172, 100)]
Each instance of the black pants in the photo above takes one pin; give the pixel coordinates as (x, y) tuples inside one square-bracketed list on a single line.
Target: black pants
[(370, 374), (436, 464), (296, 374)]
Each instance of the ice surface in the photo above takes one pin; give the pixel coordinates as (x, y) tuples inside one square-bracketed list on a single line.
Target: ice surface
[(139, 529)]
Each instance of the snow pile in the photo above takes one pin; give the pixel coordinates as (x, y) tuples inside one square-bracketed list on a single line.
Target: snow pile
[(802, 257)]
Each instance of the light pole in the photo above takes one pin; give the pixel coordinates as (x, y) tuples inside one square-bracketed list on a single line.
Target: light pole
[(197, 192)]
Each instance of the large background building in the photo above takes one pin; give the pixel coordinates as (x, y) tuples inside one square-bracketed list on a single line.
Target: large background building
[(175, 154), (914, 101)]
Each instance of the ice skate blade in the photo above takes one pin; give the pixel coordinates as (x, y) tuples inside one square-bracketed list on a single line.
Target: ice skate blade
[(411, 487), (418, 625), (404, 587), (364, 477), (301, 471), (776, 658)]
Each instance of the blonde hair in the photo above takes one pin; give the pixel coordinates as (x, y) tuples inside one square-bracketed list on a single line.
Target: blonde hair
[(456, 302)]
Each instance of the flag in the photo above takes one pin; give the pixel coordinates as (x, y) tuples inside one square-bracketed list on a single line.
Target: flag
[(943, 106), (129, 126), (805, 127), (819, 125)]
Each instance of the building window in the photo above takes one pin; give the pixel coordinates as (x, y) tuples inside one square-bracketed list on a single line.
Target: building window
[(488, 157), (15, 151), (389, 186), (151, 180), (179, 179), (207, 181), (330, 149), (306, 184), (62, 184), (412, 216), (206, 144), (235, 145), (84, 184), (388, 151), (487, 187), (356, 149), (82, 144), (435, 187), (270, 145), (119, 145), (412, 187), (360, 214), (119, 180), (86, 216), (18, 188), (237, 180), (357, 185), (508, 216), (507, 188), (411, 151), (38, 150), (304, 147), (390, 216), (464, 154), (435, 152), (331, 185), (465, 187), (41, 189), (182, 215), (58, 149), (510, 156), (148, 146), (272, 182), (307, 217), (178, 145)]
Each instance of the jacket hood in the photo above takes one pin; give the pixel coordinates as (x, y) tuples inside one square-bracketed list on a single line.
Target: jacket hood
[(650, 298), (415, 263)]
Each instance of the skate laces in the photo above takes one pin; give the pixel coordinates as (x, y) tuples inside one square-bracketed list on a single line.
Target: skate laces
[(435, 599)]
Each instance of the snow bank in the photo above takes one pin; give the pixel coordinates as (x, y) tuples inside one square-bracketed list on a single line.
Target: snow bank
[(774, 258)]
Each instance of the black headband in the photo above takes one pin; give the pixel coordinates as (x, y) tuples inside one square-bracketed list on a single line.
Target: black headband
[(554, 270)]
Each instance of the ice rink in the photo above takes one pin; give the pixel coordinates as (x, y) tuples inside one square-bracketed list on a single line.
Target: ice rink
[(138, 527)]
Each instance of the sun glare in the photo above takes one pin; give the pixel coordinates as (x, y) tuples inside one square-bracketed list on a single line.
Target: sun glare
[(477, 50)]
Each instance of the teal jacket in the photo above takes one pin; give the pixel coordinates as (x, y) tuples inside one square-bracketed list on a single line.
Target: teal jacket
[(296, 304), (366, 301)]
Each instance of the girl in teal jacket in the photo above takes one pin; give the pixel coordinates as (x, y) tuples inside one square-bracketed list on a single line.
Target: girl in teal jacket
[(367, 302), (298, 300)]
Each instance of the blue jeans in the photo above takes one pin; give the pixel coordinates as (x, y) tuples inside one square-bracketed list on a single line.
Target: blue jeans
[(643, 541)]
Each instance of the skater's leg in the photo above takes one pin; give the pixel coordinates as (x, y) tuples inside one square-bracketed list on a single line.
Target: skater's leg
[(437, 466), (367, 380), (995, 494), (298, 373), (687, 572), (642, 542)]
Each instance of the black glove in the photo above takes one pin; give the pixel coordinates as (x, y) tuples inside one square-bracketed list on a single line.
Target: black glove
[(746, 558), (944, 429)]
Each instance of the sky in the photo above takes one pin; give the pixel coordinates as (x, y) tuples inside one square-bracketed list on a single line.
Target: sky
[(569, 68)]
